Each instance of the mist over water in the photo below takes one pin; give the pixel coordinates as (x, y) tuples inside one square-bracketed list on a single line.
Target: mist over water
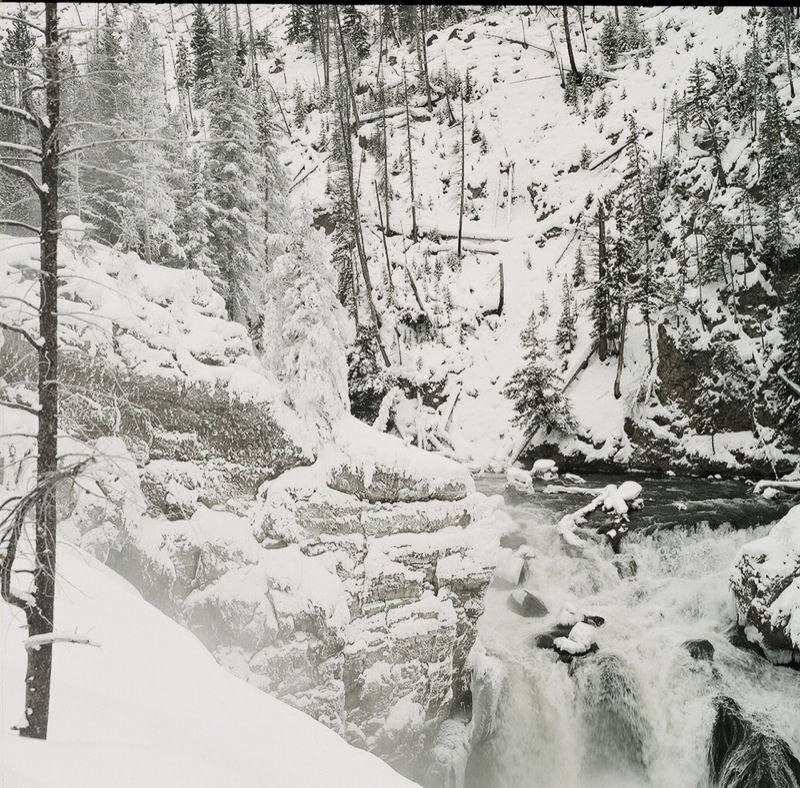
[(640, 711)]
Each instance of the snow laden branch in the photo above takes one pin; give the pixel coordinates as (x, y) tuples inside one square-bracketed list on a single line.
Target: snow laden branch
[(37, 641)]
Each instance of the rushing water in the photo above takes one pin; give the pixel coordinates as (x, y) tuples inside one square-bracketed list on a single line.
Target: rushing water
[(639, 712)]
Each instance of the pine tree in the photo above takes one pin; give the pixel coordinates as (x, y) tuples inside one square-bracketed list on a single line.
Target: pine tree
[(299, 114), (146, 206), (610, 40), (104, 96), (579, 269), (205, 51), (566, 335), (354, 23), (17, 51), (536, 388), (235, 188), (631, 35), (703, 113), (789, 398), (192, 222), (774, 180), (298, 31), (368, 382)]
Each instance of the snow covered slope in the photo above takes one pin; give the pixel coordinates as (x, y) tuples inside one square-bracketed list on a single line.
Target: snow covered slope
[(150, 706)]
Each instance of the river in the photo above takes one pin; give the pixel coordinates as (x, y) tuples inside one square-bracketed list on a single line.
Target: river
[(639, 712)]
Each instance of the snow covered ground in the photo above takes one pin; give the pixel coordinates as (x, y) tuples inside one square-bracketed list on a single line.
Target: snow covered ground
[(151, 707)]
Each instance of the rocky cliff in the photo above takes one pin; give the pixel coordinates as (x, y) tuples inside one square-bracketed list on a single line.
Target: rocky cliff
[(344, 576)]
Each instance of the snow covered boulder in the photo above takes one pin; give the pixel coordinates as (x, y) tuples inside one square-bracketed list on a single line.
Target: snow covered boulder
[(526, 604), (73, 229), (629, 491), (581, 640), (544, 468), (766, 588), (519, 479)]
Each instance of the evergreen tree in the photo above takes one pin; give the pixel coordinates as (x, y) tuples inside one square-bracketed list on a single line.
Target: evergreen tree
[(774, 176), (566, 336), (354, 24), (631, 35), (205, 51), (17, 51), (235, 188), (298, 31), (579, 269), (299, 115), (146, 206), (789, 398), (536, 388), (104, 95), (610, 40), (702, 112), (368, 382), (192, 220)]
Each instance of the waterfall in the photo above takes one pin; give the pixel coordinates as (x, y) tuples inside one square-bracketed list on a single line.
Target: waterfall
[(667, 701)]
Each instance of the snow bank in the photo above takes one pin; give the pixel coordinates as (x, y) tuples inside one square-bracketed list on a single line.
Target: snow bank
[(151, 707)]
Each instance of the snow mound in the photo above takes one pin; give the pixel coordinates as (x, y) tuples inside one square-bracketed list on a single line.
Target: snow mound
[(151, 707)]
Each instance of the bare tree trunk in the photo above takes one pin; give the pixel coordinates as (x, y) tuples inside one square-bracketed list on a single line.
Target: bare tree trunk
[(356, 226), (41, 613), (621, 356), (463, 175), (575, 73), (423, 26), (414, 230), (385, 246), (346, 65), (602, 329)]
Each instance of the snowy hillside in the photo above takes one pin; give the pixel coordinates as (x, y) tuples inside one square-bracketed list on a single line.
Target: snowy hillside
[(146, 704), (536, 170)]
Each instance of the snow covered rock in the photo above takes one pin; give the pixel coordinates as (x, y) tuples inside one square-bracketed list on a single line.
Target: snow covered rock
[(580, 640), (546, 468), (766, 588), (519, 479), (526, 604), (629, 491)]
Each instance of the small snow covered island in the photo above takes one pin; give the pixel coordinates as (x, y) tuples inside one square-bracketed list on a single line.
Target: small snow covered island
[(399, 394)]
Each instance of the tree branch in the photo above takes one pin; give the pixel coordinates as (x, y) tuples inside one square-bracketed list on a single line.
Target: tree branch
[(19, 406), (19, 147), (24, 174), (31, 339), (24, 225), (20, 114)]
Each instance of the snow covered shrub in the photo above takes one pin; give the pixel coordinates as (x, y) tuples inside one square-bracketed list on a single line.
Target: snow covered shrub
[(303, 327)]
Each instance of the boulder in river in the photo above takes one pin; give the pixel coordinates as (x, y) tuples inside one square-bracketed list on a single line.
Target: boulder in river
[(526, 604), (700, 649), (741, 755)]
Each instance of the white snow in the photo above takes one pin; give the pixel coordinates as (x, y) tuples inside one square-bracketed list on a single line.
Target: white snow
[(151, 707)]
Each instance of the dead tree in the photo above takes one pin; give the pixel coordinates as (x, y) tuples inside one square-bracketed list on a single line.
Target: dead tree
[(39, 603)]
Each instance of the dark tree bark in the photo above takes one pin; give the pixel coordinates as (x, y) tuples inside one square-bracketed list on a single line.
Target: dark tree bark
[(621, 356), (414, 230), (602, 328), (463, 175), (575, 73)]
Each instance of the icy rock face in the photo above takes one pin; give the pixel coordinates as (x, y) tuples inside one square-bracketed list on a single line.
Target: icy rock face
[(413, 573), (766, 587)]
